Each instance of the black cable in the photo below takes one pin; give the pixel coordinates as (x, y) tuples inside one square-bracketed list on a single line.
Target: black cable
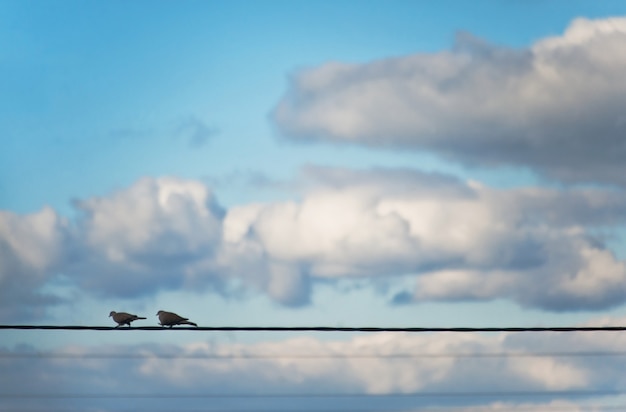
[(252, 356), (494, 394), (574, 408), (326, 328)]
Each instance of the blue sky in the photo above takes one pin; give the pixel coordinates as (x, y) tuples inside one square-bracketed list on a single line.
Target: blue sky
[(97, 83), (313, 163)]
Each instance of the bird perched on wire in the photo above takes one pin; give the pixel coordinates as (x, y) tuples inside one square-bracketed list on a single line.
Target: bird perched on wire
[(123, 318), (170, 319)]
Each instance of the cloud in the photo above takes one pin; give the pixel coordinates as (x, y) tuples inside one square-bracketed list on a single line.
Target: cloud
[(555, 107), (368, 366), (31, 246), (157, 234), (461, 241), (195, 131), (458, 240)]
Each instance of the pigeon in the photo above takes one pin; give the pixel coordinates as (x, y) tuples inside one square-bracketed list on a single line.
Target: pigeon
[(170, 319), (123, 318)]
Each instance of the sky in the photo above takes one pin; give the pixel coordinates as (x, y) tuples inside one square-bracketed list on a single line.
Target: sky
[(344, 163)]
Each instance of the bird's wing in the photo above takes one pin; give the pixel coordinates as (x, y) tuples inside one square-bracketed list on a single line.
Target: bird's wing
[(123, 317)]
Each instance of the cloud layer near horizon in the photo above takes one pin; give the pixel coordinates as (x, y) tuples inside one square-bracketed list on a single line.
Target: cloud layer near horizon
[(366, 366), (556, 107), (458, 240)]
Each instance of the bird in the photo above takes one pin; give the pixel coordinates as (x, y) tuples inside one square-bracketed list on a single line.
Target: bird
[(170, 319), (123, 318)]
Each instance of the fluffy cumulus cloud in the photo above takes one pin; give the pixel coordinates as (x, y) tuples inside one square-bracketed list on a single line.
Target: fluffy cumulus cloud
[(556, 106), (31, 247), (458, 240), (158, 233), (461, 241), (386, 371)]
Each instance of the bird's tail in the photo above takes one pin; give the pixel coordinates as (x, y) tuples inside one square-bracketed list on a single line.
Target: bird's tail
[(139, 317), (186, 322)]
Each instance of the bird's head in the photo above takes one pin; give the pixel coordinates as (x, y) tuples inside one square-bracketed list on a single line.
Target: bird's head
[(112, 313), (159, 312)]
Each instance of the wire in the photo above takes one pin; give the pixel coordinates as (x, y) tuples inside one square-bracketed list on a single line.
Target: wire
[(576, 408), (252, 356), (326, 328), (494, 394)]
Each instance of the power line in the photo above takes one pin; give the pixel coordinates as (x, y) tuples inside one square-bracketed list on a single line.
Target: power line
[(476, 394), (576, 408), (325, 328), (252, 356)]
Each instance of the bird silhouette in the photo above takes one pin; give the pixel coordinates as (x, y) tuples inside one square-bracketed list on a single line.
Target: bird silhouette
[(170, 319), (123, 318)]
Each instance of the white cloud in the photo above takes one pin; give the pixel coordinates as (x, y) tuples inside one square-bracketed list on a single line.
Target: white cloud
[(462, 241), (459, 240), (556, 106), (158, 233), (533, 406), (129, 219), (30, 247), (369, 364)]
